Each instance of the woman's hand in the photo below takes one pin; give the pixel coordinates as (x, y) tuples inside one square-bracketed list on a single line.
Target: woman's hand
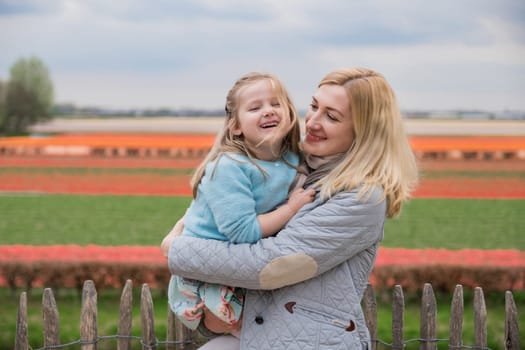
[(175, 231)]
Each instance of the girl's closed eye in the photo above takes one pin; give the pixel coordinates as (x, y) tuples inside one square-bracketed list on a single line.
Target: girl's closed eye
[(313, 106)]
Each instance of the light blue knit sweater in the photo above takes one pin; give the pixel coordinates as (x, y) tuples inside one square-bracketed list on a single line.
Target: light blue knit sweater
[(228, 202)]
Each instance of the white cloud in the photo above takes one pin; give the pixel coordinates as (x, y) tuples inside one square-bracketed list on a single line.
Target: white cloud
[(440, 76), (467, 53)]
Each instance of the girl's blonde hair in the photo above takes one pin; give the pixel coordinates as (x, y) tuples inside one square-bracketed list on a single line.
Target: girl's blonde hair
[(381, 154), (227, 142)]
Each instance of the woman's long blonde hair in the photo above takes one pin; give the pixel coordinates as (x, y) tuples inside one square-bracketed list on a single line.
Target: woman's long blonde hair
[(227, 142), (381, 154)]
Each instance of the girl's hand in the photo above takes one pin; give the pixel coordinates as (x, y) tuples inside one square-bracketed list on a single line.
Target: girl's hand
[(300, 197), (175, 231)]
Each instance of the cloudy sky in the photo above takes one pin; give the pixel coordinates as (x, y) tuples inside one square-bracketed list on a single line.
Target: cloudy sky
[(447, 54)]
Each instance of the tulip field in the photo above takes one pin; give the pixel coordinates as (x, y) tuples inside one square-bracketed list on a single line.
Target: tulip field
[(503, 179), (169, 177), (58, 210)]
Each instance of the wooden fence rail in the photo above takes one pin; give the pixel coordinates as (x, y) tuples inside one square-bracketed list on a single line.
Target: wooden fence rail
[(179, 337)]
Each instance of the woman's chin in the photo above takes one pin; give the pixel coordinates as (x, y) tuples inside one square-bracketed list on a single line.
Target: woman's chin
[(312, 150)]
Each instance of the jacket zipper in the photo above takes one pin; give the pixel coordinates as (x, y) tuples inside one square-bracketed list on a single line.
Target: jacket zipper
[(327, 318)]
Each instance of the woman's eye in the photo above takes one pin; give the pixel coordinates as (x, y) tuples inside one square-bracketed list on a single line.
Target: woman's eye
[(331, 116), (313, 106)]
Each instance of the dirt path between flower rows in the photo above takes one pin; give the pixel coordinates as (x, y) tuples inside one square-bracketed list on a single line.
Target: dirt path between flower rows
[(211, 125)]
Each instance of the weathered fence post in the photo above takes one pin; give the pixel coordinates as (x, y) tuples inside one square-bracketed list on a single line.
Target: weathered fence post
[(148, 325), (177, 332), (21, 342), (480, 319), (88, 317), (170, 331), (124, 324), (370, 311), (50, 318), (398, 315), (185, 335), (456, 318), (512, 332), (428, 319), (180, 337)]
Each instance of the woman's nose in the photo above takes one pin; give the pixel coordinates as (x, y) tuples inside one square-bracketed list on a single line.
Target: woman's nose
[(312, 121)]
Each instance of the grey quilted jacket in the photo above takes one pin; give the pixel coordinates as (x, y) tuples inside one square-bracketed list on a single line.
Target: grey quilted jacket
[(304, 285)]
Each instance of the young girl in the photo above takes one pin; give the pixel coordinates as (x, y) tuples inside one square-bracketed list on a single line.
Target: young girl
[(240, 190)]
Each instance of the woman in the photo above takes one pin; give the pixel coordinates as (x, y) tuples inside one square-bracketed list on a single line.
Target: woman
[(305, 285)]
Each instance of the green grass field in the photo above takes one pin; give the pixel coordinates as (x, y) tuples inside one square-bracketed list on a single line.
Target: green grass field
[(144, 220), (457, 224), (82, 220)]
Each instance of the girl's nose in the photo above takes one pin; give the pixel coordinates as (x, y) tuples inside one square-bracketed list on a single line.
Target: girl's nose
[(268, 111)]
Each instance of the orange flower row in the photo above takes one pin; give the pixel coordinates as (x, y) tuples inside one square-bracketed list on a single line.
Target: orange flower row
[(115, 140), (468, 143), (205, 141)]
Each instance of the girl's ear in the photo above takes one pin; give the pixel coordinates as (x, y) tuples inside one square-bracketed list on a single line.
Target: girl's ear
[(235, 128), (237, 131)]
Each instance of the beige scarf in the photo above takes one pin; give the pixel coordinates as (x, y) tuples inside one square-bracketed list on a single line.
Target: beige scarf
[(315, 169)]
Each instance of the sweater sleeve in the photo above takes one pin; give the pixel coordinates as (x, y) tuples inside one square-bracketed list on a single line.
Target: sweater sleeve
[(318, 238), (229, 195)]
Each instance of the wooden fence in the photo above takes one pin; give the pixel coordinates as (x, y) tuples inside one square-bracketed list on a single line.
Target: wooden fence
[(179, 337)]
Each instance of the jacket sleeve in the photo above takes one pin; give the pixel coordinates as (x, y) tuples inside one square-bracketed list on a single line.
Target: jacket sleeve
[(318, 238)]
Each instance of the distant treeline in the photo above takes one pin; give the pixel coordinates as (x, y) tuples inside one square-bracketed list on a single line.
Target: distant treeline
[(70, 110), (466, 114)]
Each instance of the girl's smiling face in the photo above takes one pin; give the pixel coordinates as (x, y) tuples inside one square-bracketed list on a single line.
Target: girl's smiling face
[(260, 119), (329, 124)]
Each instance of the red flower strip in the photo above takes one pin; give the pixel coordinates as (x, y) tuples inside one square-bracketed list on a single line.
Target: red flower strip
[(462, 257), (149, 254), (178, 185), (65, 253)]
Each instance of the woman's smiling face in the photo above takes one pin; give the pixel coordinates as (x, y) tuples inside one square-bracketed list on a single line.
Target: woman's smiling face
[(329, 124)]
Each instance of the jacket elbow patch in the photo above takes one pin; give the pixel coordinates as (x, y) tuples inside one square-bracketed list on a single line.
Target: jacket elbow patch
[(287, 270)]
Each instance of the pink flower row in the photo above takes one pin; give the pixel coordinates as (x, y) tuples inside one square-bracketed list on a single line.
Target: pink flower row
[(152, 254)]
